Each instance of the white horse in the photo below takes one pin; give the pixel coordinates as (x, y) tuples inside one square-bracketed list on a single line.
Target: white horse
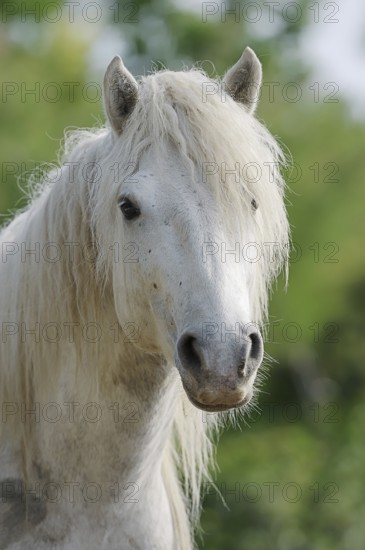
[(133, 287)]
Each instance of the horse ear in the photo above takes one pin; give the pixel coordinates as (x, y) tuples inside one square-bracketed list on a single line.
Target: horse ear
[(243, 80), (120, 94)]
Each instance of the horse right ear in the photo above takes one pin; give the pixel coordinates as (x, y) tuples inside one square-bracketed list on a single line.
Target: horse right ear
[(120, 94), (243, 80)]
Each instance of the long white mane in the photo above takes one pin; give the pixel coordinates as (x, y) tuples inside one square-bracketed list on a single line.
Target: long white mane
[(212, 129)]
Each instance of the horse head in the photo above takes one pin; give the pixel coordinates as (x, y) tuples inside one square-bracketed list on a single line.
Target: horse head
[(185, 215)]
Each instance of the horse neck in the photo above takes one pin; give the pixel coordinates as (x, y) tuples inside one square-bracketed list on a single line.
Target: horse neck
[(120, 409), (139, 403)]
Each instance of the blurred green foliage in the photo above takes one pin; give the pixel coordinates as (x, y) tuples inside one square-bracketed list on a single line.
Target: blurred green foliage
[(309, 433)]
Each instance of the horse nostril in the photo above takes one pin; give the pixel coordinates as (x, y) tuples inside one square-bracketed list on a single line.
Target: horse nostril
[(187, 349), (251, 355), (256, 346)]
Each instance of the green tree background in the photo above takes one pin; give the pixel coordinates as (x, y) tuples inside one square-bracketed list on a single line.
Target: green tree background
[(293, 474)]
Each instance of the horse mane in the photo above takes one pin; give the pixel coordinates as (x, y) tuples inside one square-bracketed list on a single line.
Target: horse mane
[(171, 109)]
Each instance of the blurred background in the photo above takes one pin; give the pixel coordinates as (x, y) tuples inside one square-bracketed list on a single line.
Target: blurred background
[(293, 475)]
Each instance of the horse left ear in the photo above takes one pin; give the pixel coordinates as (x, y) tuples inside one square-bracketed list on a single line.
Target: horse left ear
[(120, 94), (243, 80)]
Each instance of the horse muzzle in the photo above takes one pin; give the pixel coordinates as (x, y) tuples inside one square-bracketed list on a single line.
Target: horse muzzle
[(218, 376)]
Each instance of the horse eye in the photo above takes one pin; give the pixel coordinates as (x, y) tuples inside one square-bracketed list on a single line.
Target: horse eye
[(254, 204), (129, 210)]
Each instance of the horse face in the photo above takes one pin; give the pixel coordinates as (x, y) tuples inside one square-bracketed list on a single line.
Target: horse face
[(185, 294)]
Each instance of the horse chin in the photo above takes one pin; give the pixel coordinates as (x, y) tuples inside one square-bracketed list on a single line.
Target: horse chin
[(218, 407)]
